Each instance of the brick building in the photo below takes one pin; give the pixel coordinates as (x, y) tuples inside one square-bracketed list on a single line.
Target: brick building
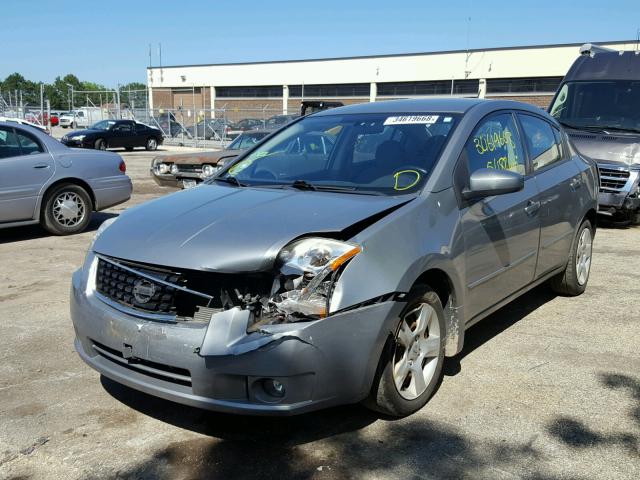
[(530, 74)]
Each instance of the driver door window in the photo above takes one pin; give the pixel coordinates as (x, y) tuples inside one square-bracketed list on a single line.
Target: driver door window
[(496, 144)]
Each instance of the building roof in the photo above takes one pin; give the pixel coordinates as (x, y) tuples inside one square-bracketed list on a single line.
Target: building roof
[(392, 55)]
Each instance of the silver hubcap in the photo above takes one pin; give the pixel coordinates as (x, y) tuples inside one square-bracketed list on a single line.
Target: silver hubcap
[(583, 256), (68, 209), (152, 144), (416, 353)]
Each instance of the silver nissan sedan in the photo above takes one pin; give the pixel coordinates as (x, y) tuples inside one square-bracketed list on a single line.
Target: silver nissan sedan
[(42, 181), (339, 260)]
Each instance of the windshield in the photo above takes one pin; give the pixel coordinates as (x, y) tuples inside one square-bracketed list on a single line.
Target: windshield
[(245, 141), (367, 153), (609, 104), (103, 125)]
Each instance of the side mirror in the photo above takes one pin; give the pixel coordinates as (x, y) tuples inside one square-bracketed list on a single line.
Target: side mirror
[(486, 182)]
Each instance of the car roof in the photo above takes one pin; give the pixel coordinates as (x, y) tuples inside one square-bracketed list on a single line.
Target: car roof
[(605, 66), (410, 105)]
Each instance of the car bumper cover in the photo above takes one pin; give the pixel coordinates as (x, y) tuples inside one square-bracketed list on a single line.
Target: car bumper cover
[(320, 363)]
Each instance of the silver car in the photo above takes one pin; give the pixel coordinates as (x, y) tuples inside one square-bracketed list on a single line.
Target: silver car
[(42, 181), (340, 260)]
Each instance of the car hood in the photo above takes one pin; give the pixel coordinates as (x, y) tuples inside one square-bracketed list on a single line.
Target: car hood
[(231, 229), (88, 131), (199, 157), (621, 149)]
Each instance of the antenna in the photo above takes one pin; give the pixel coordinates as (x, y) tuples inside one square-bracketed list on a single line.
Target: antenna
[(638, 40), (467, 72)]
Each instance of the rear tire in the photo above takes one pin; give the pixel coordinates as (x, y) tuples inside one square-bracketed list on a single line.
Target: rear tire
[(573, 281), (151, 144), (100, 144), (410, 367), (66, 210)]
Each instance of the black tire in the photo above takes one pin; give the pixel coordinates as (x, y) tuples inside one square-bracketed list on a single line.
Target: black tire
[(151, 144), (384, 396), (51, 222), (568, 283), (100, 144), (128, 149), (73, 124), (63, 126)]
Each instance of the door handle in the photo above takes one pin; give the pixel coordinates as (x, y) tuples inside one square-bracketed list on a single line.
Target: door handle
[(41, 165), (575, 183), (532, 208)]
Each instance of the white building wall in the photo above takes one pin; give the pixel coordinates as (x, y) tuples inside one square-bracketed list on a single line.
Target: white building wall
[(506, 63)]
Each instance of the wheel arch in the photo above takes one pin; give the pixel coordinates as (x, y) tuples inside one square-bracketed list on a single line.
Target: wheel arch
[(68, 180), (444, 286), (592, 216)]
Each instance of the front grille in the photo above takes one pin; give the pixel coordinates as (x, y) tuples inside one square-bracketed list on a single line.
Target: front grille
[(168, 373), (119, 284), (189, 168), (193, 289), (613, 178)]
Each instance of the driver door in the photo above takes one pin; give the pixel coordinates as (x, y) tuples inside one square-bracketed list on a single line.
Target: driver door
[(501, 232)]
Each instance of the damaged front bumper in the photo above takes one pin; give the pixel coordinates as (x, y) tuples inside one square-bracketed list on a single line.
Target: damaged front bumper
[(217, 365)]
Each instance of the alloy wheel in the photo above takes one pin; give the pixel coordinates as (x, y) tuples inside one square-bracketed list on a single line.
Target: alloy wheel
[(416, 353), (583, 256)]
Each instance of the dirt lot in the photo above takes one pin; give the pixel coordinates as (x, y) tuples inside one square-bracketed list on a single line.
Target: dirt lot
[(548, 387)]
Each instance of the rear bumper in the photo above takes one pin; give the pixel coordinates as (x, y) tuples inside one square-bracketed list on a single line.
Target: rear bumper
[(320, 363), (111, 191)]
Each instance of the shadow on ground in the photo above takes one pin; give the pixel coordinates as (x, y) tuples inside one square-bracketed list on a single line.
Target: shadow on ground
[(31, 232), (241, 447), (498, 322), (580, 436)]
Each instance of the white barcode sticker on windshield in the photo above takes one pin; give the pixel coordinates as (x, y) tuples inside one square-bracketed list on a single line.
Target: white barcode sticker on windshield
[(412, 119)]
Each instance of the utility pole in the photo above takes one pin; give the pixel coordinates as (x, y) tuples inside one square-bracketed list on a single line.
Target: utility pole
[(42, 104)]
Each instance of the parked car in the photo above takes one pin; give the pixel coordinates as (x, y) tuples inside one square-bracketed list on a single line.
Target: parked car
[(211, 129), (126, 134), (244, 125), (21, 121), (278, 121), (81, 117), (293, 280), (598, 103), (186, 170), (169, 124), (307, 107), (42, 181)]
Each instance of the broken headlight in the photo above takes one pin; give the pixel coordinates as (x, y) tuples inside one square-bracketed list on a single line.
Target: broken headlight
[(308, 269)]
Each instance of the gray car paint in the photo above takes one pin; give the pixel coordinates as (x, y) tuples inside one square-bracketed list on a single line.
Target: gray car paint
[(490, 249), (25, 180)]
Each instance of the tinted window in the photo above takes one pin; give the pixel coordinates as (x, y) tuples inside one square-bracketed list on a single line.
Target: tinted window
[(28, 143), (541, 142), (9, 146), (496, 144)]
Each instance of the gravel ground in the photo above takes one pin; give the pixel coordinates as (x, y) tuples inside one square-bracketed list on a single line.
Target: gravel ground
[(548, 387)]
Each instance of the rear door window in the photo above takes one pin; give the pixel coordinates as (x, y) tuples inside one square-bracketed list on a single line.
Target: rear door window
[(542, 144), (9, 146), (496, 144), (28, 143)]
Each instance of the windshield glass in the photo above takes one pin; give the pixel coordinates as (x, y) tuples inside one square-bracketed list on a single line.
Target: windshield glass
[(245, 141), (374, 153), (103, 125), (601, 104)]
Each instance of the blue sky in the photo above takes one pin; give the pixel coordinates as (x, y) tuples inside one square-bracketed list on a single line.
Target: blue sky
[(110, 44)]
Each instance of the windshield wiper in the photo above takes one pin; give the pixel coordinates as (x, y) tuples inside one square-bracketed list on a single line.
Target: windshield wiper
[(230, 180), (303, 185), (598, 128)]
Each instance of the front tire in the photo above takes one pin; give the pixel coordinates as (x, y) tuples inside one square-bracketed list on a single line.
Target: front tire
[(151, 144), (573, 281), (100, 144), (67, 210), (411, 364)]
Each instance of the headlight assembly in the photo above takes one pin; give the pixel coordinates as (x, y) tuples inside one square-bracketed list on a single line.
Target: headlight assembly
[(78, 138), (208, 170), (309, 268)]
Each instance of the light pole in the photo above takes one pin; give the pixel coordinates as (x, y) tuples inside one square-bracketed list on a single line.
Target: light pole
[(71, 103)]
